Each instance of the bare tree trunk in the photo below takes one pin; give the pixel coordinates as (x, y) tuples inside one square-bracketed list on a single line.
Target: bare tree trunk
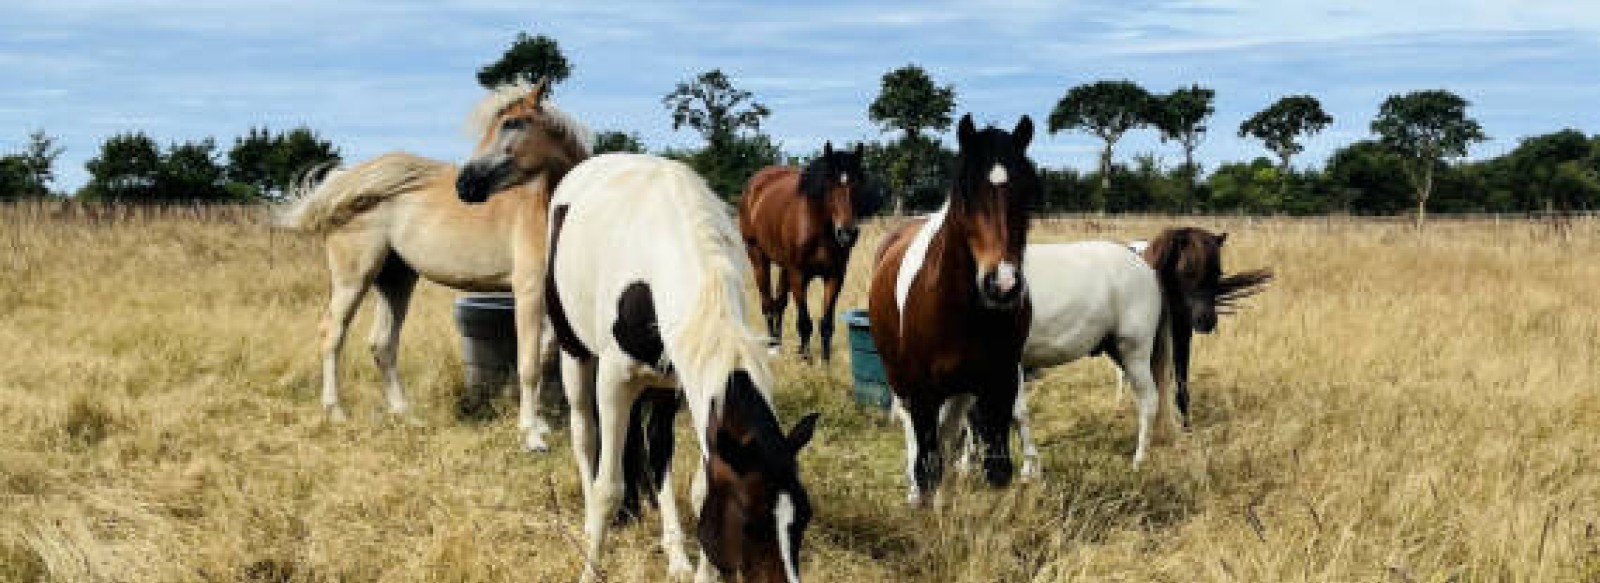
[(1189, 172), (1423, 191), (1105, 175), (1283, 178)]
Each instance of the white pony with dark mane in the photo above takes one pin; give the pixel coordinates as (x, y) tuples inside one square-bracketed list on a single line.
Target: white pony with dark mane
[(1090, 298), (647, 280)]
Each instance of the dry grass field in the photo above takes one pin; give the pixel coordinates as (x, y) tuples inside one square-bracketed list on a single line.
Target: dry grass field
[(1399, 406)]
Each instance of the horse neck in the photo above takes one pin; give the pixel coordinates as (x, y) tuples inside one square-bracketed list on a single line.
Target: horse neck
[(948, 253)]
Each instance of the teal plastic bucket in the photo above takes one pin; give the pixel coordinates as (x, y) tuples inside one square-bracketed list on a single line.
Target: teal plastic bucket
[(871, 383)]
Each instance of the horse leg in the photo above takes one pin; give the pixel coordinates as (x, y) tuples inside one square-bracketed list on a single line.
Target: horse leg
[(1136, 364), (635, 475), (923, 460), (802, 316), (1181, 335), (659, 438), (831, 287), (529, 314), (577, 378), (614, 396), (780, 302), (996, 408), (952, 427), (395, 283), (770, 308), (1019, 414), (351, 271)]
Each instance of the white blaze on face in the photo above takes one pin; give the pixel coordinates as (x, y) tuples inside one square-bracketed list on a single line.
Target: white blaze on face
[(997, 175), (784, 512), (844, 178)]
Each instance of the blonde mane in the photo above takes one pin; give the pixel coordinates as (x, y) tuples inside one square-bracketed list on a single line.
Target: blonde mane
[(489, 108)]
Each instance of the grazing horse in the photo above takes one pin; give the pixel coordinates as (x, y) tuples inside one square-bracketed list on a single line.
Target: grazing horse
[(804, 221), (646, 289), (390, 219), (1189, 262), (949, 309)]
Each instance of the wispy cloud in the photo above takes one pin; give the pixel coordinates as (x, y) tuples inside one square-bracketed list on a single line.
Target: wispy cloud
[(379, 75)]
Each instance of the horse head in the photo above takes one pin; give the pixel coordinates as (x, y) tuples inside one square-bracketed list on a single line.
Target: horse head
[(755, 510), (835, 179), (520, 137), (1189, 263), (996, 186)]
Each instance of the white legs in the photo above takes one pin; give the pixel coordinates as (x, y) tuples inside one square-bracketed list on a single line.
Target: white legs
[(341, 308), (914, 494)]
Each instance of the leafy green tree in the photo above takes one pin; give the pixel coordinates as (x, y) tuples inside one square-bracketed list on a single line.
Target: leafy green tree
[(909, 101), (14, 182), (1255, 187), (269, 164), (1281, 125), (727, 166), (189, 171), (614, 141), (30, 172), (1555, 171), (919, 169), (529, 59), (127, 168), (1368, 178), (1426, 127), (711, 105), (1181, 117), (1107, 109)]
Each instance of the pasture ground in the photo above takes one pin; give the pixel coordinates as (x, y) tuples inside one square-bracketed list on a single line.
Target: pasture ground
[(1399, 406)]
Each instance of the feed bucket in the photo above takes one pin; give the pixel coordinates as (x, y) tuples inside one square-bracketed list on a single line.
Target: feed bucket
[(871, 386)]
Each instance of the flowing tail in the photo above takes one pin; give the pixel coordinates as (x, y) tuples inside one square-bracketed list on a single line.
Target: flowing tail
[(318, 206)]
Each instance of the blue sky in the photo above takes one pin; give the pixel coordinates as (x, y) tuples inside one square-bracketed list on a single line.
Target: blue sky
[(373, 76)]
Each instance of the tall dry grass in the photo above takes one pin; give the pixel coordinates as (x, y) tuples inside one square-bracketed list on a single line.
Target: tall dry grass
[(1400, 406)]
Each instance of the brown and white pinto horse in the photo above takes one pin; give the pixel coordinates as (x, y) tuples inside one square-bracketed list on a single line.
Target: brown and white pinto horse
[(949, 308), (805, 222)]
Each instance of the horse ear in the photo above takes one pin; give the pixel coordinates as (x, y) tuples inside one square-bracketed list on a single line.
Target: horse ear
[(741, 457), (802, 432), (1222, 238), (827, 149), (965, 130), (861, 149), (1023, 132)]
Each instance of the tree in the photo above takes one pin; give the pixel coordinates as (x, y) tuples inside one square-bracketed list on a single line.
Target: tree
[(1426, 127), (1181, 117), (127, 168), (269, 164), (1281, 125), (29, 173), (529, 59), (910, 102), (712, 106), (613, 141), (189, 171), (1107, 109), (1555, 171), (1367, 177)]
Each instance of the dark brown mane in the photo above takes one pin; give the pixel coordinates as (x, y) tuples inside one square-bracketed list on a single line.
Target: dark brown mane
[(1237, 286)]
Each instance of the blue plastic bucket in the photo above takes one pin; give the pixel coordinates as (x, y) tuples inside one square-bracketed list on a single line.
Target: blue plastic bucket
[(871, 385)]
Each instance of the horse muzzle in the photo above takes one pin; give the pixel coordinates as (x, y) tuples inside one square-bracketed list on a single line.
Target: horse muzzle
[(846, 236), (1001, 288), (477, 180)]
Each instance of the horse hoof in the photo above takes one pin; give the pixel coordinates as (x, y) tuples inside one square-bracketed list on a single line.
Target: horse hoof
[(336, 414), (773, 351), (535, 444), (678, 567), (1030, 471)]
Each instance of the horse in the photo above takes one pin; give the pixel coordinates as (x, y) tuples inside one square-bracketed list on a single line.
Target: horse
[(1189, 262), (1136, 304), (949, 310), (390, 219), (805, 221), (645, 288)]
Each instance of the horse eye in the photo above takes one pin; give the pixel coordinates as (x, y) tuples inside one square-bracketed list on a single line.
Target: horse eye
[(514, 124)]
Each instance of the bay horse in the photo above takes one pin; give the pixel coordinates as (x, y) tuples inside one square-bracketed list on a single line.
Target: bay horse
[(805, 221), (949, 307), (390, 219), (646, 289)]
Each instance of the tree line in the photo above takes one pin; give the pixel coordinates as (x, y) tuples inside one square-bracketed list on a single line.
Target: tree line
[(1411, 163)]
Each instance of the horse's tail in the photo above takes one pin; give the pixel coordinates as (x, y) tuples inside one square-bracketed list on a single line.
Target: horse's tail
[(319, 206), (1234, 287), (1162, 365)]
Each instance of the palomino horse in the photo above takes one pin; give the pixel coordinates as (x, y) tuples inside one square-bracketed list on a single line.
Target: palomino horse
[(949, 309), (392, 218), (804, 221), (1189, 262), (646, 289)]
